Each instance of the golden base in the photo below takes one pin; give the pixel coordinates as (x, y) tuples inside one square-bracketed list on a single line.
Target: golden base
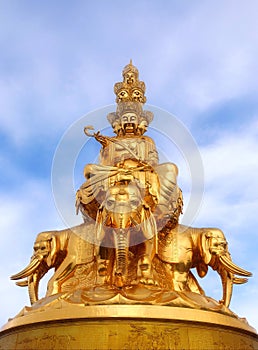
[(127, 327)]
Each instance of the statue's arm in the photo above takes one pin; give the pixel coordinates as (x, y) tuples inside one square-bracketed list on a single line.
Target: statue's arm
[(104, 140)]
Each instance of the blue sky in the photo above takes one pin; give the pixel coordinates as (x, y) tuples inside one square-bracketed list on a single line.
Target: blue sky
[(59, 61)]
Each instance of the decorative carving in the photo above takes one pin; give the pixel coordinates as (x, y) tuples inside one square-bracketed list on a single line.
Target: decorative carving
[(47, 341), (150, 338)]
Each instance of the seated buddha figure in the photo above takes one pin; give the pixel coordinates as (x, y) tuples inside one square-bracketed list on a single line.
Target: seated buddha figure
[(130, 156)]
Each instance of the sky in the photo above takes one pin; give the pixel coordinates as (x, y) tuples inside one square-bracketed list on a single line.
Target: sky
[(58, 64)]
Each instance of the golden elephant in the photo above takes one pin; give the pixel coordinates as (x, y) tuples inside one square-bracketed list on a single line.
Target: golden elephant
[(125, 227), (67, 251), (183, 248)]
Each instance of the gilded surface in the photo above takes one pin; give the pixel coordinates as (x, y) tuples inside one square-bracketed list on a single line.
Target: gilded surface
[(130, 247), (127, 335)]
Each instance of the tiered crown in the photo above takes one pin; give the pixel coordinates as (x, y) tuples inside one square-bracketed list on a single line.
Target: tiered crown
[(131, 89)]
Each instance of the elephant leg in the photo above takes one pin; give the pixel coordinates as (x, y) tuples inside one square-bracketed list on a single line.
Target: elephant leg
[(33, 283), (61, 274), (145, 263), (104, 254), (180, 281), (180, 277), (102, 267)]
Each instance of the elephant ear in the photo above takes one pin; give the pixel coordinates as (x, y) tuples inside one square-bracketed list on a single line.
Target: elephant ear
[(54, 249), (205, 247), (202, 269)]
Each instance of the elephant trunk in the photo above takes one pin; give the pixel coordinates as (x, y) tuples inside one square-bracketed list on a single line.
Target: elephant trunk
[(34, 272), (122, 248)]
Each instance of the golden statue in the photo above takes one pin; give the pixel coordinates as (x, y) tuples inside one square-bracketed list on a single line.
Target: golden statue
[(130, 248), (136, 248)]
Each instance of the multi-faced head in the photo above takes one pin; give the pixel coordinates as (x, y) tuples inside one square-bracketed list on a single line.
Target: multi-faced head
[(130, 119)]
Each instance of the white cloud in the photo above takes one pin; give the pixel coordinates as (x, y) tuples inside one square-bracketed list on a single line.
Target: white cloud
[(204, 58), (231, 167)]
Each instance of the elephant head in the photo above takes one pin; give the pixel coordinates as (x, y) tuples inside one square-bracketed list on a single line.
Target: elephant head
[(45, 256), (214, 252), (125, 210)]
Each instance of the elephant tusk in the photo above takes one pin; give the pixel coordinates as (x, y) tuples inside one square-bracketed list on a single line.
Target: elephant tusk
[(28, 270), (23, 283), (239, 280), (233, 268)]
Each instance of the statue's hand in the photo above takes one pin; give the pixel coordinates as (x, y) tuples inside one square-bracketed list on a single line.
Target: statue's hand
[(101, 139)]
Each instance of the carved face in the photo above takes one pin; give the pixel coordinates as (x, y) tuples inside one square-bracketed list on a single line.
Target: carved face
[(130, 78), (129, 122), (137, 96), (123, 95)]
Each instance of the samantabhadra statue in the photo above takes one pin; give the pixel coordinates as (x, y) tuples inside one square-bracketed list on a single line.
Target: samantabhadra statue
[(136, 249), (130, 248)]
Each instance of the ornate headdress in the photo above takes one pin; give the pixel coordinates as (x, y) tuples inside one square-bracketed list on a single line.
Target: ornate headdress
[(131, 89), (130, 96)]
